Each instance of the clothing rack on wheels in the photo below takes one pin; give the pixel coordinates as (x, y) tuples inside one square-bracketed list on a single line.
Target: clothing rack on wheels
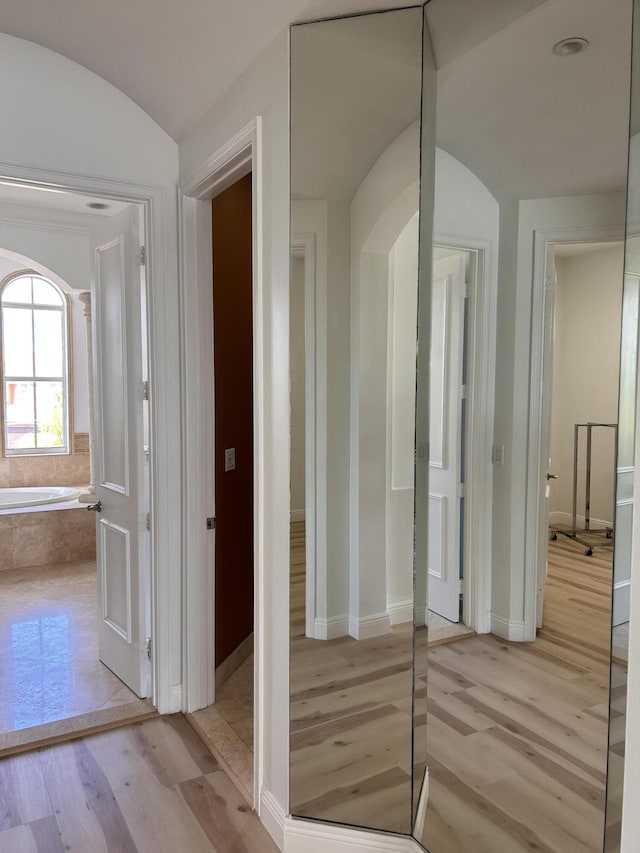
[(573, 533)]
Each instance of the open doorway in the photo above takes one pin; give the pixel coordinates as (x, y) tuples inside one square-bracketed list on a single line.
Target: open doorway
[(74, 616), (228, 725), (583, 308)]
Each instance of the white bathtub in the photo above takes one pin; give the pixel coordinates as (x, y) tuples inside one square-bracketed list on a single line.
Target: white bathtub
[(35, 496)]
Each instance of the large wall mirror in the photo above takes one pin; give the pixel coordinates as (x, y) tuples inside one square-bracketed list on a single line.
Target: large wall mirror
[(464, 334)]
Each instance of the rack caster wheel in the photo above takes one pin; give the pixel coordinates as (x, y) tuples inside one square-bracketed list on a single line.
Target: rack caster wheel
[(588, 552)]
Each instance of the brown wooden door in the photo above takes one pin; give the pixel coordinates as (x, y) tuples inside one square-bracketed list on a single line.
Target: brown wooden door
[(233, 362)]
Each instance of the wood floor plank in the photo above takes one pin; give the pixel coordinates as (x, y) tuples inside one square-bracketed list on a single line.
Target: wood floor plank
[(137, 789), (46, 834), (215, 817), (18, 839), (159, 820), (23, 793), (101, 800)]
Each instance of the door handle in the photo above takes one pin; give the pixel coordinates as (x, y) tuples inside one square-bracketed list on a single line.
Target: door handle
[(97, 507), (552, 476)]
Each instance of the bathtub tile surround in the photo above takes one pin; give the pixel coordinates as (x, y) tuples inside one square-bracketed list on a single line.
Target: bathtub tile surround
[(53, 470), (81, 442), (38, 536)]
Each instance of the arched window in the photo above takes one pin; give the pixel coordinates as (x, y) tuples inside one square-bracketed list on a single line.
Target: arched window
[(34, 366)]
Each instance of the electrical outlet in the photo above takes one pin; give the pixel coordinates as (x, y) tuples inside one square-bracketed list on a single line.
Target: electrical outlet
[(497, 455), (229, 459)]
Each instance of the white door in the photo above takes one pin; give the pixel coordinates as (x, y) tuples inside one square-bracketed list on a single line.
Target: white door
[(445, 428), (546, 475), (121, 523)]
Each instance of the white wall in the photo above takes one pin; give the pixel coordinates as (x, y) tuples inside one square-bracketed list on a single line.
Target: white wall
[(297, 363), (401, 404), (586, 360)]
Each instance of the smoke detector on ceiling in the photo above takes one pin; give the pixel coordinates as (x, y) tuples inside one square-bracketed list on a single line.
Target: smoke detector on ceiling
[(570, 46)]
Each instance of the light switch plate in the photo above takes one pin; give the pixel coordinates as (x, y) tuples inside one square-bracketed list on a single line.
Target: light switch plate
[(229, 459)]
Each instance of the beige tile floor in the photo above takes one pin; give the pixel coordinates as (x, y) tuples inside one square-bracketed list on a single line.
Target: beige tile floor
[(227, 727), (50, 674)]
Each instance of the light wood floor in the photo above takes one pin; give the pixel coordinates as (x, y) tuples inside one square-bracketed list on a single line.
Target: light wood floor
[(147, 788), (517, 733)]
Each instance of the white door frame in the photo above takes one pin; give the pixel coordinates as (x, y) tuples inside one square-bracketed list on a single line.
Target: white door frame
[(304, 246), (239, 156), (163, 543), (541, 343), (481, 354)]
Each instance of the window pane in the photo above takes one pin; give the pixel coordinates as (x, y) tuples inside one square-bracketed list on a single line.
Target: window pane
[(18, 342), (48, 342), (45, 293), (20, 415), (49, 414), (18, 291)]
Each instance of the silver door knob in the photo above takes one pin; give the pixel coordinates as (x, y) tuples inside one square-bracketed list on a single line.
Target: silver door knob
[(97, 507), (552, 476)]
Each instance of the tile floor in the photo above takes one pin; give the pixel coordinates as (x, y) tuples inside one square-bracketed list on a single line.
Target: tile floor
[(49, 668), (227, 727)]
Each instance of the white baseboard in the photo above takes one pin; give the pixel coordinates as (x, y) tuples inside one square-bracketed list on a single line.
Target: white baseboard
[(301, 836), (566, 520), (621, 602), (306, 837), (368, 627), (420, 615), (332, 628), (401, 611), (272, 816), (508, 629), (296, 515)]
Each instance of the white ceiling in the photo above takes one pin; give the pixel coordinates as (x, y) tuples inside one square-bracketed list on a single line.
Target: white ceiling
[(528, 123), (172, 57), (531, 124), (346, 112), (45, 198)]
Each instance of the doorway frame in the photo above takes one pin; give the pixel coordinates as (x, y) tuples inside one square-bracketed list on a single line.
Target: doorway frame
[(303, 245), (541, 343), (162, 608), (236, 158), (481, 355)]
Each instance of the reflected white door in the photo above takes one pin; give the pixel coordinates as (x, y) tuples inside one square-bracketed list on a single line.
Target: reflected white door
[(445, 427), (120, 459), (545, 434)]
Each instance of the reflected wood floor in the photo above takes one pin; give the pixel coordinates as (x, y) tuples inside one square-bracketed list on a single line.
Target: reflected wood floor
[(517, 733), (347, 696), (147, 788)]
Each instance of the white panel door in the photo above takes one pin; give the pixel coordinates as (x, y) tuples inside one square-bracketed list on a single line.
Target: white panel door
[(119, 444), (445, 439), (547, 476)]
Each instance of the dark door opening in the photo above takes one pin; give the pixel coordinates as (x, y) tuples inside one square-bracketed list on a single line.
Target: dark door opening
[(233, 366)]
